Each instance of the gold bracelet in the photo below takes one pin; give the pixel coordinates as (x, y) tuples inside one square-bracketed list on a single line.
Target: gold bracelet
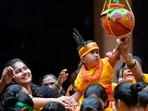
[(56, 85)]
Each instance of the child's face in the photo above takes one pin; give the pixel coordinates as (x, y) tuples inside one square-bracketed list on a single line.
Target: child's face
[(91, 59)]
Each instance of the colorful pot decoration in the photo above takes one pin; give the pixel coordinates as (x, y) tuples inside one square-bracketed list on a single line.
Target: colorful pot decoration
[(116, 19)]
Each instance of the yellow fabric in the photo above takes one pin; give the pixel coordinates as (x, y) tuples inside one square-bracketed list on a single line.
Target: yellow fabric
[(39, 109), (108, 109), (114, 85), (145, 77), (105, 78)]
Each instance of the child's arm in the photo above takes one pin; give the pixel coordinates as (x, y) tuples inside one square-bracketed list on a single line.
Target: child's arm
[(76, 96)]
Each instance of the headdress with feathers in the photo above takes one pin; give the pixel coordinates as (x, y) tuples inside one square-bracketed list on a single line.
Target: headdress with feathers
[(78, 38), (83, 46)]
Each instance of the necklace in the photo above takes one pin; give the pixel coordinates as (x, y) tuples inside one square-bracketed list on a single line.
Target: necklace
[(96, 72)]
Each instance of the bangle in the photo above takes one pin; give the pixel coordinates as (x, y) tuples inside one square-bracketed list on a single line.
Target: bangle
[(56, 85), (130, 66)]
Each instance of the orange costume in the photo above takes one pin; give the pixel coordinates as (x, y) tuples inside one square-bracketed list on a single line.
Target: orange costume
[(102, 73)]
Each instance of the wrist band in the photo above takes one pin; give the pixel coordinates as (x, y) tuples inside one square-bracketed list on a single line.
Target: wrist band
[(56, 85), (29, 108), (130, 66)]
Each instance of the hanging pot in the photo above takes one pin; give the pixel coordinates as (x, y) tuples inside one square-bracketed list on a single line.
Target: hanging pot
[(116, 19)]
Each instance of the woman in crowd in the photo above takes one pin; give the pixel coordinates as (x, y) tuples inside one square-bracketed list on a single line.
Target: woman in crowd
[(126, 96), (19, 73), (126, 74), (51, 80)]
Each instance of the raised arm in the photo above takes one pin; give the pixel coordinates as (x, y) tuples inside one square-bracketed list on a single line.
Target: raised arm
[(61, 79), (131, 63), (76, 96), (6, 78), (114, 56)]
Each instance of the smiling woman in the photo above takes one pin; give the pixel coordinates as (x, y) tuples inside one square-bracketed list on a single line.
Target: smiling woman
[(131, 74), (21, 74)]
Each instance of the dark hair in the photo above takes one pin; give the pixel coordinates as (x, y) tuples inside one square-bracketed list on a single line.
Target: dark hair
[(11, 62), (142, 95), (139, 60), (45, 76), (122, 66), (74, 74), (91, 104), (86, 42), (54, 106), (143, 98), (13, 99), (36, 92), (98, 90), (72, 78), (14, 88), (119, 69), (127, 92)]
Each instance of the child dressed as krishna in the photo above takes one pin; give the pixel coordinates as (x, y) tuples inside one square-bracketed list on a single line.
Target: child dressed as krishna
[(94, 69)]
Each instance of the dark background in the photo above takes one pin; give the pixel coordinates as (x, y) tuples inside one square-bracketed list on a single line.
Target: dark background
[(140, 44), (40, 33)]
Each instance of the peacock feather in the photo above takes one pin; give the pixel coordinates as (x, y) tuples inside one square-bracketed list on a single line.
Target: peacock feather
[(78, 38)]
